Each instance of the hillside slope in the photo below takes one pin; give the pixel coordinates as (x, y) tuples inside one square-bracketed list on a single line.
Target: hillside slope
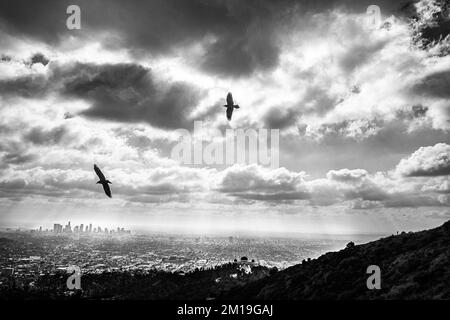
[(413, 266)]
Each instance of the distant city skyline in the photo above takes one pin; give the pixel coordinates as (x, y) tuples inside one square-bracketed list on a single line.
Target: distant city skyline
[(59, 228)]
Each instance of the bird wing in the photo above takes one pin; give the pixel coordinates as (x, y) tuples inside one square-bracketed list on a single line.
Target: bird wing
[(229, 113), (99, 173), (107, 189), (230, 101)]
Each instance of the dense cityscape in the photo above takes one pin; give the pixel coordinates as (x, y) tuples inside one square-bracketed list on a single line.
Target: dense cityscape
[(96, 250)]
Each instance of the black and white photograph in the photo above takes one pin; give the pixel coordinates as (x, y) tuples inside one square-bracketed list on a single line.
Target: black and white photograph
[(224, 151)]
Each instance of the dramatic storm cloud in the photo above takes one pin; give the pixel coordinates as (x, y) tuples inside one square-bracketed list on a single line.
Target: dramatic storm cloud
[(363, 111), (122, 92)]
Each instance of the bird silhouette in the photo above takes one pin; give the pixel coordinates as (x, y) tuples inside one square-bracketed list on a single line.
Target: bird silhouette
[(103, 180), (230, 105)]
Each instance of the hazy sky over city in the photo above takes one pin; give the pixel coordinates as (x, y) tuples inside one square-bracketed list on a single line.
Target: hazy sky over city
[(363, 114)]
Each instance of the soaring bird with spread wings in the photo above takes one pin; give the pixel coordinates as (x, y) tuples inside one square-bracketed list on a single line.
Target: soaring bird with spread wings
[(230, 105), (103, 180)]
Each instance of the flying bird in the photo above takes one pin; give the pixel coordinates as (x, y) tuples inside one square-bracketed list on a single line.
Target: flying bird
[(230, 105), (103, 180)]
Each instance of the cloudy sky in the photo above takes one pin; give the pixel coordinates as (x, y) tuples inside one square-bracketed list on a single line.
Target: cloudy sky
[(363, 114)]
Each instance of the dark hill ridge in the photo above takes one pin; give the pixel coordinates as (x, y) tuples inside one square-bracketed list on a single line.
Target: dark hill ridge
[(413, 266)]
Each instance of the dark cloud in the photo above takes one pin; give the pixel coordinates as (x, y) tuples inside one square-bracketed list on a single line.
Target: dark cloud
[(414, 201), (18, 158), (274, 197), (5, 58), (146, 199), (159, 198), (401, 201), (241, 56), (434, 85), (42, 136), (319, 101), (139, 142), (19, 187), (369, 191), (163, 188), (30, 86), (13, 152), (44, 20), (153, 189), (280, 118), (129, 93), (39, 58), (68, 115), (118, 92), (355, 89), (244, 33), (419, 111), (359, 55)]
